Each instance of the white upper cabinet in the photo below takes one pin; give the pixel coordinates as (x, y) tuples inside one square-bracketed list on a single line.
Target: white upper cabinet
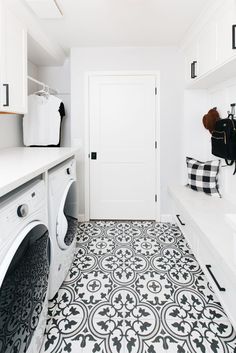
[(13, 62), (191, 65), (226, 32), (206, 48), (213, 40)]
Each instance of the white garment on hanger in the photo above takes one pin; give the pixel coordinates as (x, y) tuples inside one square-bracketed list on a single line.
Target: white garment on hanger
[(41, 125)]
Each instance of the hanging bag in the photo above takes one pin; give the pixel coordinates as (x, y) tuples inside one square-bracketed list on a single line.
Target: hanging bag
[(223, 140)]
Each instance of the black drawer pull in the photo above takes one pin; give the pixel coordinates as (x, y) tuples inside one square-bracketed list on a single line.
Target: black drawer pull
[(221, 289), (7, 94), (193, 69), (178, 217), (233, 36)]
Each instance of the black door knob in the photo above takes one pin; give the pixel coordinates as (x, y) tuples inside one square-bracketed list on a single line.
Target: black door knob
[(93, 155)]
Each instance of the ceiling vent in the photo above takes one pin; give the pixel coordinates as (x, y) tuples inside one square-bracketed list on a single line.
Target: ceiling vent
[(45, 9)]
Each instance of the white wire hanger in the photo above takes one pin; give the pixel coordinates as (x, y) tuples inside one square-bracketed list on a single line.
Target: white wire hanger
[(45, 91)]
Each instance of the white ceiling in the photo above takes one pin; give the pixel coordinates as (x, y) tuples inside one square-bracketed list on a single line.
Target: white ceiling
[(123, 22)]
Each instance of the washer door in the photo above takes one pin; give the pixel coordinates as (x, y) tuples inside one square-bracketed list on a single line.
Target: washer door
[(23, 287), (67, 221)]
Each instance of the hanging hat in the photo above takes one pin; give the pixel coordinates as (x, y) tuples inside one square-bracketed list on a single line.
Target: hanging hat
[(209, 120)]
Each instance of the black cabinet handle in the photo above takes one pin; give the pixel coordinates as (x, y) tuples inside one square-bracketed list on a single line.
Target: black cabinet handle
[(193, 69), (233, 36), (7, 94), (178, 217), (221, 289), (93, 155)]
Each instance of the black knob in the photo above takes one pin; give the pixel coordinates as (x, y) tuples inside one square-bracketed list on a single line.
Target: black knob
[(23, 210), (93, 155)]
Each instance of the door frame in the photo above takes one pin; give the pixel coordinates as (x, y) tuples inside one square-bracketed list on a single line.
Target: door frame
[(88, 76)]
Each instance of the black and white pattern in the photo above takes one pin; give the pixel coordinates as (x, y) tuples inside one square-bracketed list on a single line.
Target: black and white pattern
[(135, 287), (203, 176), (23, 293)]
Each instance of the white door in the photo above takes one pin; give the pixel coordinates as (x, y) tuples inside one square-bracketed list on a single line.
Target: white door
[(122, 111)]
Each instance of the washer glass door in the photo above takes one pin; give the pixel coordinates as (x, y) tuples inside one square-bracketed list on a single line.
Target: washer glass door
[(23, 291), (67, 221)]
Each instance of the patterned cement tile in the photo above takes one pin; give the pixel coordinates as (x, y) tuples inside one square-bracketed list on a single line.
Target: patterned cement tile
[(135, 287)]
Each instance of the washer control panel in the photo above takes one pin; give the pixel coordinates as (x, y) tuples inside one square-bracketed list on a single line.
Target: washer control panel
[(23, 206)]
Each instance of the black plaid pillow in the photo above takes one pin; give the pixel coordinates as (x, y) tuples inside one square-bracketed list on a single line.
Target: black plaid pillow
[(203, 176)]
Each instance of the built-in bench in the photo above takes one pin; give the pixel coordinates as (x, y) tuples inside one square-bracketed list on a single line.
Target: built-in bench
[(203, 221)]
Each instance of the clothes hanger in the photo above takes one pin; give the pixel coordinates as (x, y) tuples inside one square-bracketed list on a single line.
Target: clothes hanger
[(45, 91)]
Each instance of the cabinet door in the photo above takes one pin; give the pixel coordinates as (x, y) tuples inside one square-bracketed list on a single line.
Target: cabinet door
[(225, 19), (13, 62), (207, 48), (191, 54)]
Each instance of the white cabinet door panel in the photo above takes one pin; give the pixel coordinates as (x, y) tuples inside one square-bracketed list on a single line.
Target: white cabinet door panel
[(191, 56), (207, 48), (122, 133), (13, 62), (225, 19)]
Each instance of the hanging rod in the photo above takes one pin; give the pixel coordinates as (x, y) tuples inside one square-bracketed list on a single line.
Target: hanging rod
[(53, 91)]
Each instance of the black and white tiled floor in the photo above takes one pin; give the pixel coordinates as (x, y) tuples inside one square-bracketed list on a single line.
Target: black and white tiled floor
[(135, 287)]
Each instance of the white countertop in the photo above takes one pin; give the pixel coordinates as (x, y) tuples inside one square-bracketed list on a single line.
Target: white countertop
[(20, 165)]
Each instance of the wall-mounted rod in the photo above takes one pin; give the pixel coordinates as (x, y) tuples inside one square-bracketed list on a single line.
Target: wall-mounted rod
[(53, 91)]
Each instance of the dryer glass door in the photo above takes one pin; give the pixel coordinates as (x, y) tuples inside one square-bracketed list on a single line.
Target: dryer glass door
[(67, 221), (23, 289)]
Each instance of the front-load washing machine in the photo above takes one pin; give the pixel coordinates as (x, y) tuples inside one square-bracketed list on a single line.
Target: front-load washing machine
[(24, 268), (63, 222)]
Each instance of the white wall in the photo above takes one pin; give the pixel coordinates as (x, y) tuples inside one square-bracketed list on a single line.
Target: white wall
[(10, 131), (33, 72), (197, 140), (58, 77), (167, 60), (195, 136)]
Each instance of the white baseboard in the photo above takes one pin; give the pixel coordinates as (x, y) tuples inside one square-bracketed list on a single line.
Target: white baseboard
[(164, 218), (167, 218), (81, 218)]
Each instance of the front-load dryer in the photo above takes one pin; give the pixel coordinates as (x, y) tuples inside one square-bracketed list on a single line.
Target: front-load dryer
[(24, 268), (63, 222)]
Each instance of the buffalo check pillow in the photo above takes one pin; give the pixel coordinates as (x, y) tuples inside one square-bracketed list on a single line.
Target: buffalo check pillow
[(203, 176)]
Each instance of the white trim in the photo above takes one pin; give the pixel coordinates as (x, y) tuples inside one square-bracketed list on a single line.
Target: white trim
[(81, 218), (167, 218), (87, 77)]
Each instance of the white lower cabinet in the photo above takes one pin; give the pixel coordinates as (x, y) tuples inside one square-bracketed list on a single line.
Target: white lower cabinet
[(184, 223), (220, 275)]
